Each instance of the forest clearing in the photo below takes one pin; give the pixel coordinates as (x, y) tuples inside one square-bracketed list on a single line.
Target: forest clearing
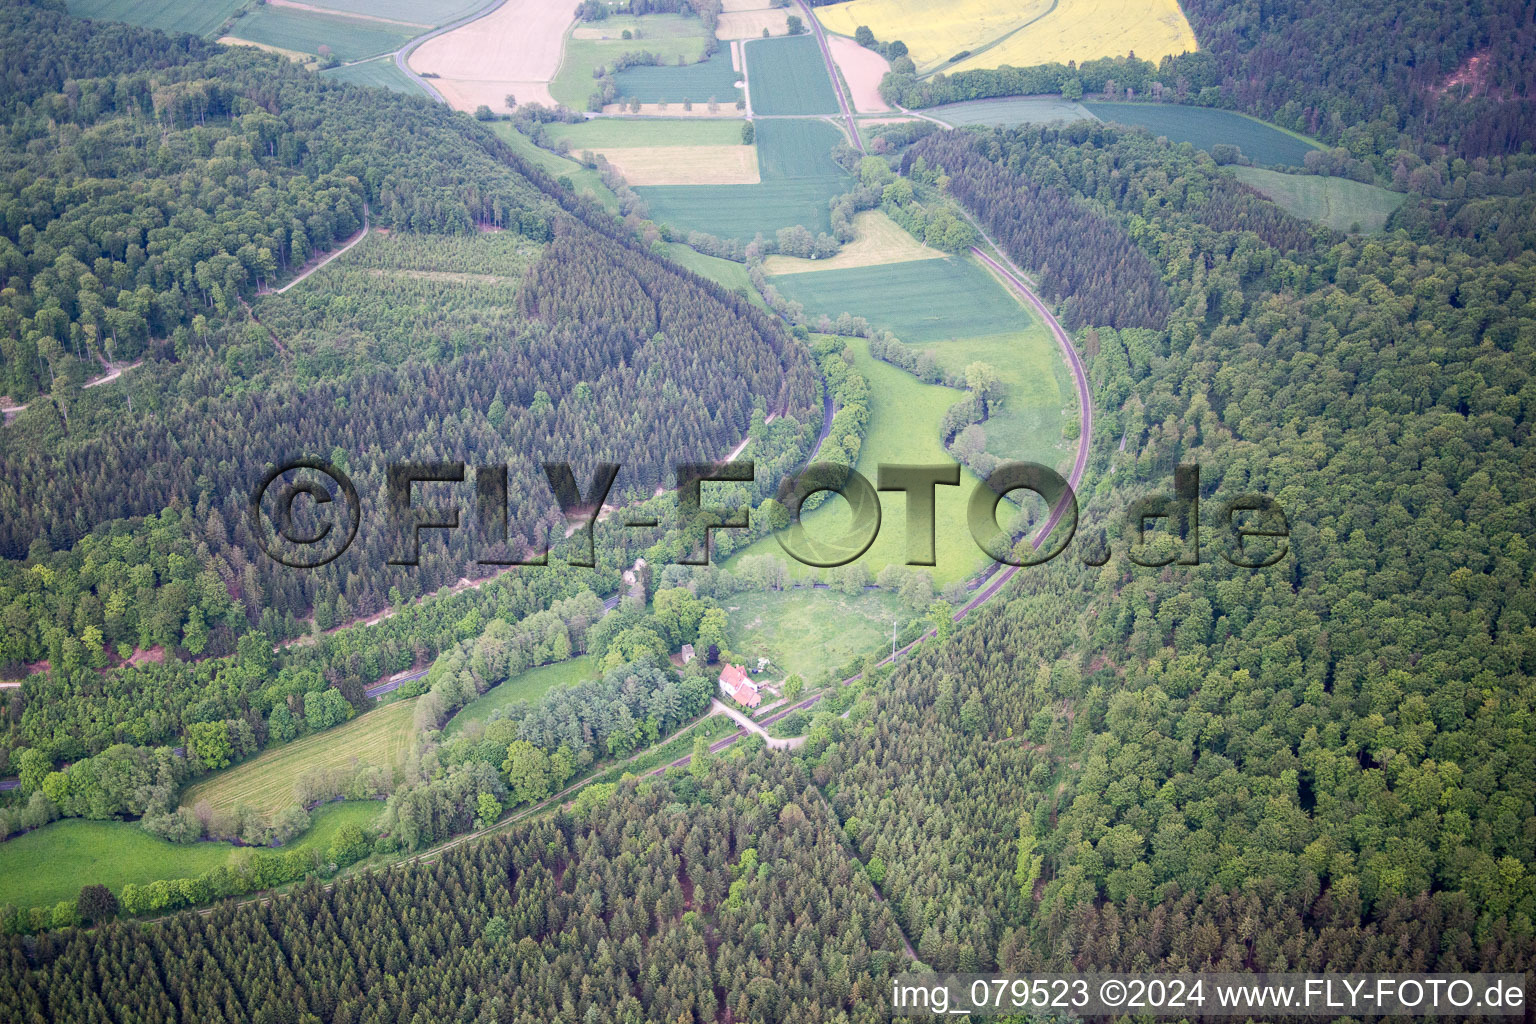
[(265, 783), (1341, 203)]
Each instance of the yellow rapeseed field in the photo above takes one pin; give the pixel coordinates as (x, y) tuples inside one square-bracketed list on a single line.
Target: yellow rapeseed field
[(1022, 34)]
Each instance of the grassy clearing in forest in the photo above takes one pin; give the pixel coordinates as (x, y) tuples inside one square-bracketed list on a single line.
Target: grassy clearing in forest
[(54, 862), (809, 631), (1205, 127), (1340, 203), (904, 423), (265, 783), (581, 178), (528, 686)]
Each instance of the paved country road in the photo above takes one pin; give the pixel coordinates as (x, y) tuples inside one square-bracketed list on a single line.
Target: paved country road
[(837, 83)]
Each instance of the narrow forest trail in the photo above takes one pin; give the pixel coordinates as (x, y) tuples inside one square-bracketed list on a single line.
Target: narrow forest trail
[(362, 234)]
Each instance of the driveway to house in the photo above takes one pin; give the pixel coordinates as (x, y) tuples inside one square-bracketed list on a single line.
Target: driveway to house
[(746, 723)]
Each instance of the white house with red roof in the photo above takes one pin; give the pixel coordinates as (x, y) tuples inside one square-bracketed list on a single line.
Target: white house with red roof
[(737, 685)]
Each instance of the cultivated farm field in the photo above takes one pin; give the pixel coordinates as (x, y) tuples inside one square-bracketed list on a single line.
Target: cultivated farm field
[(933, 30), (809, 631), (672, 83), (528, 686), (1010, 110), (920, 302), (1086, 29), (1340, 203), (418, 12), (798, 177), (674, 151), (199, 17), (788, 76), (515, 49), (1204, 127), (306, 31), (265, 783)]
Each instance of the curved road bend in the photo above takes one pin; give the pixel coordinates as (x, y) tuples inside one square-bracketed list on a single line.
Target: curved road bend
[(403, 55)]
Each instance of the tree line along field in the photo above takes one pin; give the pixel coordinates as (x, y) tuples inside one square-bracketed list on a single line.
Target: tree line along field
[(304, 31), (798, 177), (672, 83), (1206, 127), (199, 17), (905, 416), (582, 179), (787, 75), (265, 782), (877, 240), (52, 863), (1341, 203), (527, 686), (671, 37)]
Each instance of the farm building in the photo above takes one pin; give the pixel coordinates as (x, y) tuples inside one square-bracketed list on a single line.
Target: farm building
[(735, 684)]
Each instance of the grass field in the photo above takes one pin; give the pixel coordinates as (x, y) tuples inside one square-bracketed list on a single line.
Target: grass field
[(381, 73), (1011, 110), (53, 863), (265, 782), (670, 36), (809, 631), (798, 177), (877, 240), (1085, 29), (673, 83), (306, 31), (788, 76), (199, 17), (528, 686), (1340, 203), (582, 180), (920, 302), (905, 416), (1037, 388), (726, 273), (1204, 127), (611, 132)]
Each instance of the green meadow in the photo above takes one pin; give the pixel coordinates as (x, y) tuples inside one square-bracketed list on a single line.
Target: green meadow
[(1340, 203), (199, 17), (528, 686)]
